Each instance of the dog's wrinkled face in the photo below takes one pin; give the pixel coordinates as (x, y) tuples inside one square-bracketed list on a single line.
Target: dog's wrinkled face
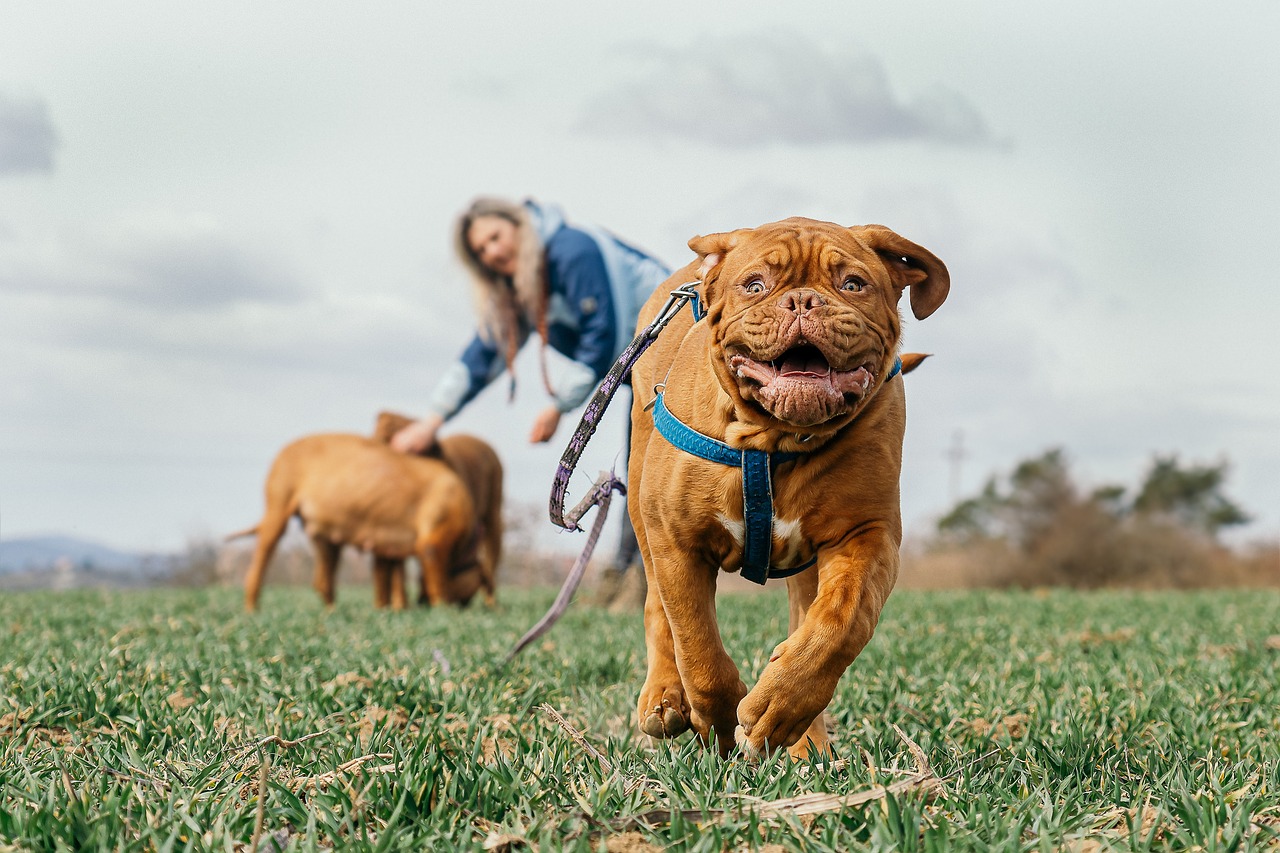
[(805, 313)]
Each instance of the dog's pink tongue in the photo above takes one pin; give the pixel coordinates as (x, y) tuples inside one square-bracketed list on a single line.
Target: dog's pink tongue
[(804, 361)]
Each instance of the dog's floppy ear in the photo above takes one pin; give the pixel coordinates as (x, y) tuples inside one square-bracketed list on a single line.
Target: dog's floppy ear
[(388, 424), (911, 266), (711, 249)]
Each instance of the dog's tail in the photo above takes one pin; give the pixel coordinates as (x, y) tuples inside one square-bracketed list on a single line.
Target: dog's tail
[(248, 531), (912, 360)]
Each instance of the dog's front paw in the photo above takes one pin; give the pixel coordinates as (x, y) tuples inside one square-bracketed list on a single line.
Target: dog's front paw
[(771, 718), (814, 742), (761, 738), (663, 711)]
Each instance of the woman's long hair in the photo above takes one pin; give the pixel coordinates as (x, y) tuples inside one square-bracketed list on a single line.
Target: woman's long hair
[(507, 307)]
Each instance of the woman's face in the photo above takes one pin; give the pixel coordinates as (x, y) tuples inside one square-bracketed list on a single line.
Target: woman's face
[(493, 240)]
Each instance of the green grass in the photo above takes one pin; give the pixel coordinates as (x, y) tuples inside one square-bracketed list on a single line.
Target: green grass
[(130, 721)]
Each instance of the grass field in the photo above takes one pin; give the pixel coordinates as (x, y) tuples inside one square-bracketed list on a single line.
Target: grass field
[(1060, 720)]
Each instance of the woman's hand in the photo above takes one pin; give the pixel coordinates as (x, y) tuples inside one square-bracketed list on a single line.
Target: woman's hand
[(417, 436), (544, 425)]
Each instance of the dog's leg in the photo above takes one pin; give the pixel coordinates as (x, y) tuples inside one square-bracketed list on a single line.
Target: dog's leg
[(270, 529), (431, 583), (326, 570), (801, 591), (382, 570), (710, 677), (492, 521), (397, 584), (491, 553), (797, 685), (662, 709), (444, 531)]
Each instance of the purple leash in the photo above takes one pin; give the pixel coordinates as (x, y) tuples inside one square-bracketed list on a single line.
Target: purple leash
[(607, 483)]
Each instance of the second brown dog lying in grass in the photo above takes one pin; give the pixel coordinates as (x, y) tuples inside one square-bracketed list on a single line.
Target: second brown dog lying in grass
[(352, 490)]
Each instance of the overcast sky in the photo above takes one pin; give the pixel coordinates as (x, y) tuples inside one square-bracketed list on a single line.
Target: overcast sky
[(224, 226)]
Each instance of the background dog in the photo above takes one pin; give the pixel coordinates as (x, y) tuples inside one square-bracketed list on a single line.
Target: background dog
[(794, 356), (352, 490), (476, 462)]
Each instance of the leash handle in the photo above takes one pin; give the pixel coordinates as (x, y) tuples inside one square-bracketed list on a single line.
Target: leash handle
[(595, 409)]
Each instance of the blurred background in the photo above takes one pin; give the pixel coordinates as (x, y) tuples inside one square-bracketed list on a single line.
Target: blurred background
[(222, 228)]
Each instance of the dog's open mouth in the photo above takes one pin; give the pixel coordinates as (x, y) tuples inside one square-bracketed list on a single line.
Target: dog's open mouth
[(801, 387)]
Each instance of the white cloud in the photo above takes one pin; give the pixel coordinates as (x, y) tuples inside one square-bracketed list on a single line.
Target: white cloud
[(27, 136), (775, 88), (174, 270)]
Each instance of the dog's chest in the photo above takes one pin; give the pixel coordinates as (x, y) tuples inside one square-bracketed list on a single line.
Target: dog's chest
[(789, 547)]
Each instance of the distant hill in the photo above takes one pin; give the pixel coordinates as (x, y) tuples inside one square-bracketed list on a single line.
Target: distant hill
[(41, 552)]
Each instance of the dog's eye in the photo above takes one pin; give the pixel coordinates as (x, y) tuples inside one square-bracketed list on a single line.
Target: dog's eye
[(756, 285), (853, 284)]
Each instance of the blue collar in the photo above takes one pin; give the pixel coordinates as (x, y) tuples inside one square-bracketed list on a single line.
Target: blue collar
[(757, 485), (695, 305)]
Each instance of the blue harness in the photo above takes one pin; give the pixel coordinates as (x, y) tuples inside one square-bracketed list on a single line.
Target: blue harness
[(757, 484)]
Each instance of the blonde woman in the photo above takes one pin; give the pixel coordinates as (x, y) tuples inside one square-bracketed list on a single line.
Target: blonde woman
[(578, 288)]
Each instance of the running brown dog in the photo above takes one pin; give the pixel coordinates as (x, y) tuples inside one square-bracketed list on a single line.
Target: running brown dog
[(352, 490), (794, 356)]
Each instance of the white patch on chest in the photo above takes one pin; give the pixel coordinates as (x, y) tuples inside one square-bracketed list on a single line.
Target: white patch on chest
[(792, 540), (787, 531), (736, 528), (788, 540)]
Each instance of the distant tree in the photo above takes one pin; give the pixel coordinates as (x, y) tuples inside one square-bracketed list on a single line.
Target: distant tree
[(974, 517), (1191, 495), (1039, 492), (1111, 499), (1049, 531)]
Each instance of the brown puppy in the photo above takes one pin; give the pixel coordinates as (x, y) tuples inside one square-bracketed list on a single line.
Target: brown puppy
[(793, 356), (475, 461), (352, 490)]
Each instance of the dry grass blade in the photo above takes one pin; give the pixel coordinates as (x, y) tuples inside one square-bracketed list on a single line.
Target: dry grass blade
[(922, 761), (279, 741), (806, 804), (495, 839), (323, 780), (161, 786), (605, 764), (923, 779), (798, 806), (261, 817), (630, 783), (824, 765), (501, 842)]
